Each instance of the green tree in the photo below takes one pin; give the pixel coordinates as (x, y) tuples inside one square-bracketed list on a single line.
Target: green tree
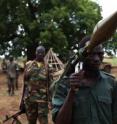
[(111, 45), (53, 23)]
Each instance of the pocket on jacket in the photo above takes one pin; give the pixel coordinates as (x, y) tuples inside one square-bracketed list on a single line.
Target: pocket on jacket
[(104, 99)]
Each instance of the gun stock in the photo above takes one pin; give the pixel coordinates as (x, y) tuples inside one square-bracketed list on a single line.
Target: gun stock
[(103, 30)]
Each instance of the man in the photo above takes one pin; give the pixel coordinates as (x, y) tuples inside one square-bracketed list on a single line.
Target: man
[(4, 65), (107, 68), (35, 96), (11, 73), (86, 97)]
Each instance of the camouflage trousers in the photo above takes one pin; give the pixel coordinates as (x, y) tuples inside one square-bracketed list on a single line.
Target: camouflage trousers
[(36, 111)]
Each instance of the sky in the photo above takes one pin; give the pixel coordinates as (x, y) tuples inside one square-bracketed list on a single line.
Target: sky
[(108, 7)]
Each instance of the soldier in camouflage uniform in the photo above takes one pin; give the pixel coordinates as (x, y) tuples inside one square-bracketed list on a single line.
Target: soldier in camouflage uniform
[(36, 97), (86, 97)]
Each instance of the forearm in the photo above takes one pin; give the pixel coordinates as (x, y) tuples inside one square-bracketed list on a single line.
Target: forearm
[(23, 94), (22, 97), (65, 114)]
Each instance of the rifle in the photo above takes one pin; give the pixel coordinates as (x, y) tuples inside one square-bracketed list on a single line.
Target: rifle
[(14, 117)]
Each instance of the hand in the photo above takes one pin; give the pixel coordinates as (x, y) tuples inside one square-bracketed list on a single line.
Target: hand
[(75, 81)]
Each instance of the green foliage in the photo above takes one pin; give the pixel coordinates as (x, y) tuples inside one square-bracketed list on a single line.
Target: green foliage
[(55, 23), (111, 45)]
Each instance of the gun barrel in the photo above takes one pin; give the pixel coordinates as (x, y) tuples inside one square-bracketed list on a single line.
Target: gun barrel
[(12, 116)]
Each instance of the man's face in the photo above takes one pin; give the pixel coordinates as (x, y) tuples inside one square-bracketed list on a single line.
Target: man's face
[(94, 58), (40, 53)]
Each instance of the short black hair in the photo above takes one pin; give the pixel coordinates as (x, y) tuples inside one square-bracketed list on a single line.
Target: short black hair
[(40, 47), (11, 58)]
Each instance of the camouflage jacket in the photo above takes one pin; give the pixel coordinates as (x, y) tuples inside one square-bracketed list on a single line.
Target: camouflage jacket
[(37, 84)]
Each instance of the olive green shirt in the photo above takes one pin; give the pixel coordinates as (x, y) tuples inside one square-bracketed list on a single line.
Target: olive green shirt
[(92, 105)]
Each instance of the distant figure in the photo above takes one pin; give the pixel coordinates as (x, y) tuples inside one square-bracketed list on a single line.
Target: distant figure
[(11, 73), (107, 68), (4, 66)]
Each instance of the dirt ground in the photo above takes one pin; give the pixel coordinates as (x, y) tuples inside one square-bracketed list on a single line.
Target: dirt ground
[(9, 104)]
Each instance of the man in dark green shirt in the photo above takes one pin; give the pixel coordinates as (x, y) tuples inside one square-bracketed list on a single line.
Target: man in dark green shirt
[(87, 97)]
